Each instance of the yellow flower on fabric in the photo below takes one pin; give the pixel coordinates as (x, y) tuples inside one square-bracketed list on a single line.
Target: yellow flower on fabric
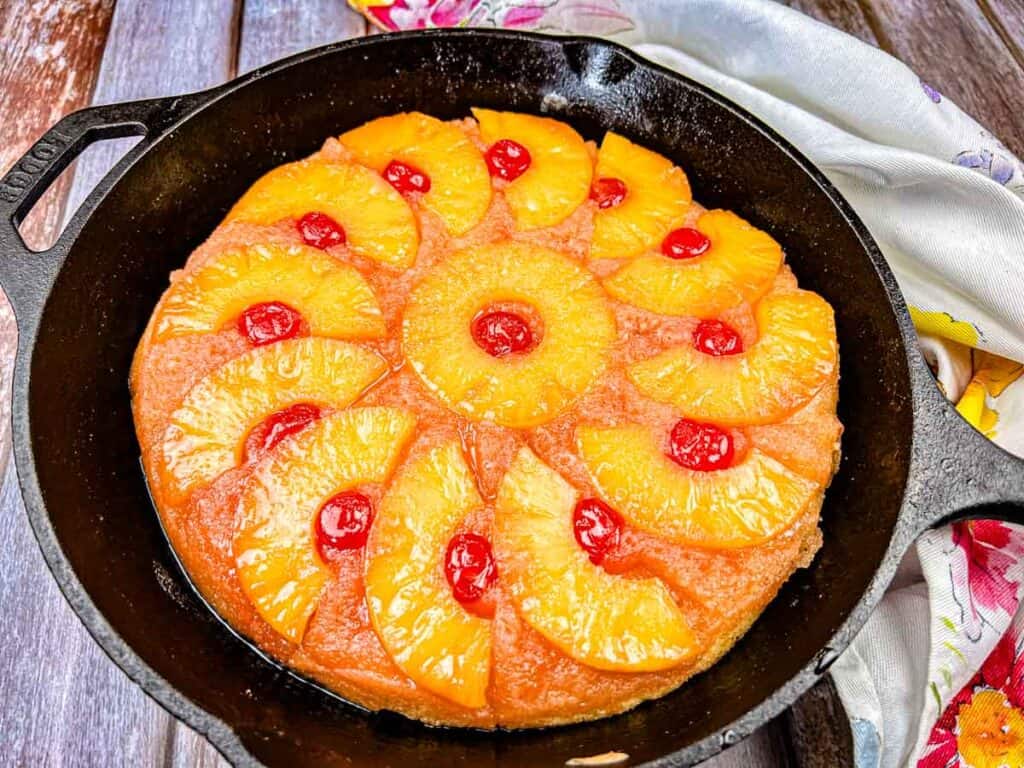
[(945, 325), (364, 5), (990, 732), (992, 375)]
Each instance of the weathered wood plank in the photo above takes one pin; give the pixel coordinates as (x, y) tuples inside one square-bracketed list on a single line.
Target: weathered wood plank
[(951, 44), (766, 748), (1007, 18), (65, 703), (273, 29), (846, 15), (158, 48), (50, 53), (820, 732)]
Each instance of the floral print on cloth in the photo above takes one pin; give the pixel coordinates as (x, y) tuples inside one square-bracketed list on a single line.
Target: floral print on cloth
[(978, 698), (936, 678), (592, 17)]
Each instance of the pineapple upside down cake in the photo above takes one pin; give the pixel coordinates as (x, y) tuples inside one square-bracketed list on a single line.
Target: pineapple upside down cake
[(487, 425)]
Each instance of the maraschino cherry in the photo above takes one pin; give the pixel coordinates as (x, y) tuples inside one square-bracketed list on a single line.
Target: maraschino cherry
[(344, 522), (501, 333), (597, 527), (469, 566), (266, 435), (269, 321), (320, 230), (700, 447)]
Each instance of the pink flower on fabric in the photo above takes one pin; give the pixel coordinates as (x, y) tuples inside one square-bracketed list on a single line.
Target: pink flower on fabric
[(421, 14), (990, 549)]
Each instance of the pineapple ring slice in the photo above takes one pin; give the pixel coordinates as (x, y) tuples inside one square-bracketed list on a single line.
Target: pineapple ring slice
[(378, 222), (205, 436), (657, 198), (275, 549), (604, 621), (333, 298), (793, 358), (428, 634), (521, 390), (460, 185), (747, 504), (739, 267), (558, 179)]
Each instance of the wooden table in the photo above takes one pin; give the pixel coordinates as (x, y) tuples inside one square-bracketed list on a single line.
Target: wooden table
[(62, 702)]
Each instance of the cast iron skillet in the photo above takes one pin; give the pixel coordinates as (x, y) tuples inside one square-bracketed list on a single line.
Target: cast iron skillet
[(909, 462)]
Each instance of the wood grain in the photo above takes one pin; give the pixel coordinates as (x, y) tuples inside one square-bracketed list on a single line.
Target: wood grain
[(846, 15), (819, 731), (1007, 19), (48, 68), (952, 45)]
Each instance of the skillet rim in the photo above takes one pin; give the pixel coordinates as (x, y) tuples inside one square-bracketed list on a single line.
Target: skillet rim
[(216, 730)]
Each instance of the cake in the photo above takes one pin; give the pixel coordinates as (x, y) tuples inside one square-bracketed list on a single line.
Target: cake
[(482, 423)]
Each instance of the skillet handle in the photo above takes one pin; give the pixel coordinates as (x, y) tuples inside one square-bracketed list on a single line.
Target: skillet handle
[(956, 472), (24, 273)]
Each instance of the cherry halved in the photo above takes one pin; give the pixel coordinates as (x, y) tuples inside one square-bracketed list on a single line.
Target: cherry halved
[(597, 527), (608, 192), (343, 522), (265, 436), (269, 321), (685, 243), (406, 178), (699, 446), (507, 159), (469, 566), (713, 337), (501, 333), (320, 230)]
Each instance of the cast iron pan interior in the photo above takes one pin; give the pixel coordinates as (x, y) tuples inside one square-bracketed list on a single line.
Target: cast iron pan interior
[(164, 205)]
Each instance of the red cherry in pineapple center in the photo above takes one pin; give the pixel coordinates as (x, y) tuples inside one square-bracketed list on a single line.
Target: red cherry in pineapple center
[(713, 337), (701, 447), (406, 178), (501, 333), (265, 436), (469, 566), (608, 192), (268, 322), (597, 527), (507, 159), (320, 230), (344, 522), (685, 243)]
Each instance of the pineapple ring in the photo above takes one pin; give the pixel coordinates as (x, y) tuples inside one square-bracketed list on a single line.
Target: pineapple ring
[(558, 179), (378, 222), (460, 186), (278, 565), (739, 267), (604, 621), (747, 504), (428, 634), (657, 198), (333, 298), (206, 433), (519, 390), (794, 357)]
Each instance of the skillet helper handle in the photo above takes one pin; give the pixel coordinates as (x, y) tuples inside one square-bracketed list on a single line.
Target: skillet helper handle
[(956, 472), (25, 272)]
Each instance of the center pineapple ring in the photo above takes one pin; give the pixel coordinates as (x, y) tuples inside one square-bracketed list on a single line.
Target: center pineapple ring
[(516, 391), (479, 422)]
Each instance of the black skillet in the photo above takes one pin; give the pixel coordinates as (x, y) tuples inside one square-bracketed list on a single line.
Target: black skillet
[(909, 462)]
